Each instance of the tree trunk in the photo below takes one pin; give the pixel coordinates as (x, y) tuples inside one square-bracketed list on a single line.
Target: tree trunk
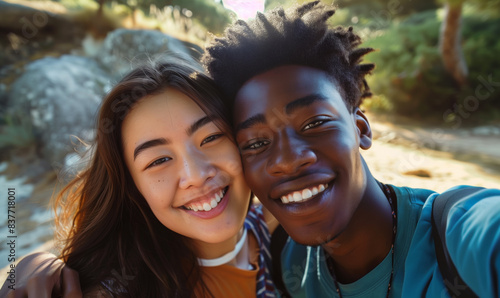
[(450, 42), (100, 9)]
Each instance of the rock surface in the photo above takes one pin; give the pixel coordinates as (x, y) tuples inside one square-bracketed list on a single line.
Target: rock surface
[(124, 49), (60, 96)]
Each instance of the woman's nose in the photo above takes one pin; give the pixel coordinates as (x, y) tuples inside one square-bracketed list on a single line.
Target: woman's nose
[(196, 170)]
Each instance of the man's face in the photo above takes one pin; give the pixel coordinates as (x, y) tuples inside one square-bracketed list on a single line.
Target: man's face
[(300, 150)]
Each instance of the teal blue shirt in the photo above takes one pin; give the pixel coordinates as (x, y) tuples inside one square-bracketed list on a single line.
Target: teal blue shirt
[(473, 238)]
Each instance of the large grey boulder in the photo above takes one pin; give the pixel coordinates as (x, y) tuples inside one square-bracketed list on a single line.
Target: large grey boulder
[(125, 49), (60, 97)]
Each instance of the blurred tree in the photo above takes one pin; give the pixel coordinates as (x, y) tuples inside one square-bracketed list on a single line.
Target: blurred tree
[(100, 9), (450, 44), (410, 74)]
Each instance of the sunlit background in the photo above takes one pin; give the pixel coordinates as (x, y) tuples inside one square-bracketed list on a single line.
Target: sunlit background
[(245, 9), (435, 110)]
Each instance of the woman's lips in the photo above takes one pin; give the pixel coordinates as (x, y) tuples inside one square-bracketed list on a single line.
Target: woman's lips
[(207, 204), (208, 212)]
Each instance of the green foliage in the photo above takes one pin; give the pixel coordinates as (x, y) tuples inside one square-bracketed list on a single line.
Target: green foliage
[(16, 131), (208, 13), (411, 75), (368, 8), (79, 4), (491, 6), (394, 7)]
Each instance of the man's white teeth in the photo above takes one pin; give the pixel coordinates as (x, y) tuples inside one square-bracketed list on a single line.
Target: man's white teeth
[(305, 194), (208, 206)]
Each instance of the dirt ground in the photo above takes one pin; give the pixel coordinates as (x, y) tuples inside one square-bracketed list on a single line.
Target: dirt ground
[(434, 158)]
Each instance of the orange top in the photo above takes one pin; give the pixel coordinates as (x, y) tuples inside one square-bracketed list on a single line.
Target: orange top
[(231, 281)]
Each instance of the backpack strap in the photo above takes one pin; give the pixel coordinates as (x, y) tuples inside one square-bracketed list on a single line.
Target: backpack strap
[(278, 241), (440, 209)]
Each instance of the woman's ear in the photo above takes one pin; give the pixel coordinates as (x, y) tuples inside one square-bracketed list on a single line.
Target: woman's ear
[(364, 129)]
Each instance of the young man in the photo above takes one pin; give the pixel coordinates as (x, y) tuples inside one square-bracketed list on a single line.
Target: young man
[(295, 86)]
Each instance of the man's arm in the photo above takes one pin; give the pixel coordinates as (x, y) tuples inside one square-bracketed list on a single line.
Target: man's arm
[(473, 241)]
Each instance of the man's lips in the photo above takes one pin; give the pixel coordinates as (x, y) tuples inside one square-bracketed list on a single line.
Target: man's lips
[(304, 194), (299, 185)]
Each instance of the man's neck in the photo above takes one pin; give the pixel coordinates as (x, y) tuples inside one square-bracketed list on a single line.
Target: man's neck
[(367, 239)]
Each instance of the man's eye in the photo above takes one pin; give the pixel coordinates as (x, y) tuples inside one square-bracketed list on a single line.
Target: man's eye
[(157, 162), (211, 138), (314, 124), (256, 145)]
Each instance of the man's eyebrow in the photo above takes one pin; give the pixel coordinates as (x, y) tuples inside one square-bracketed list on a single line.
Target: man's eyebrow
[(303, 102), (255, 119), (149, 144), (197, 125)]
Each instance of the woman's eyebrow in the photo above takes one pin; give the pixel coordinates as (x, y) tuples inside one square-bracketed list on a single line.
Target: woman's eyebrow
[(149, 144), (197, 125), (162, 141)]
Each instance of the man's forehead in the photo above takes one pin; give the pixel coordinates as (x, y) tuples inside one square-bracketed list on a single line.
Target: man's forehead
[(285, 83)]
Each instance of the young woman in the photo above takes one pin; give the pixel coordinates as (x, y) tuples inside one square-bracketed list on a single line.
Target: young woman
[(162, 209)]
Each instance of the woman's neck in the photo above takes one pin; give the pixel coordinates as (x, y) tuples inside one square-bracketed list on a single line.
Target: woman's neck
[(367, 239), (212, 251)]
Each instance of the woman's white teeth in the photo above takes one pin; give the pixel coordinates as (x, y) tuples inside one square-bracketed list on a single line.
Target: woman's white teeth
[(207, 206), (300, 196)]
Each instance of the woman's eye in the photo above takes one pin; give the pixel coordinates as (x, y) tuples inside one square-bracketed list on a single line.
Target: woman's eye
[(314, 124), (159, 161), (211, 138)]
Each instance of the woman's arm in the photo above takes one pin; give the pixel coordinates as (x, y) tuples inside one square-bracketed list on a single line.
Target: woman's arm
[(42, 275)]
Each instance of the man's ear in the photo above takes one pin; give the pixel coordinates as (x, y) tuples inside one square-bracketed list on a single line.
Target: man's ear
[(364, 129)]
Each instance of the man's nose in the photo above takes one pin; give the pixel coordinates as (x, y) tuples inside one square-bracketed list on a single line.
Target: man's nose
[(290, 154)]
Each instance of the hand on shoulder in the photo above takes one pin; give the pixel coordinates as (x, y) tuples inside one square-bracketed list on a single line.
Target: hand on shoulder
[(42, 275)]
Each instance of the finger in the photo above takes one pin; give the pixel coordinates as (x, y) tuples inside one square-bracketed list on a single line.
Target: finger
[(18, 294), (70, 283), (37, 289)]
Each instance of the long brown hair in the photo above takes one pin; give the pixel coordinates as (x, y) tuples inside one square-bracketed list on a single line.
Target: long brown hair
[(110, 234)]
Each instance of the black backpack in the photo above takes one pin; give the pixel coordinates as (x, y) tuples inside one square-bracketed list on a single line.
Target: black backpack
[(440, 209)]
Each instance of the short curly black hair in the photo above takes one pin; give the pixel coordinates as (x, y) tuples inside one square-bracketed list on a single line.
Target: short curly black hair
[(299, 36)]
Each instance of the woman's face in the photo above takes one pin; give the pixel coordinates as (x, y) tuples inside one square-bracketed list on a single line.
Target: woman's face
[(188, 171)]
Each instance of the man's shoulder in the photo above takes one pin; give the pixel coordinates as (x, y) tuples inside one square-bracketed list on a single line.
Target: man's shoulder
[(410, 195)]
